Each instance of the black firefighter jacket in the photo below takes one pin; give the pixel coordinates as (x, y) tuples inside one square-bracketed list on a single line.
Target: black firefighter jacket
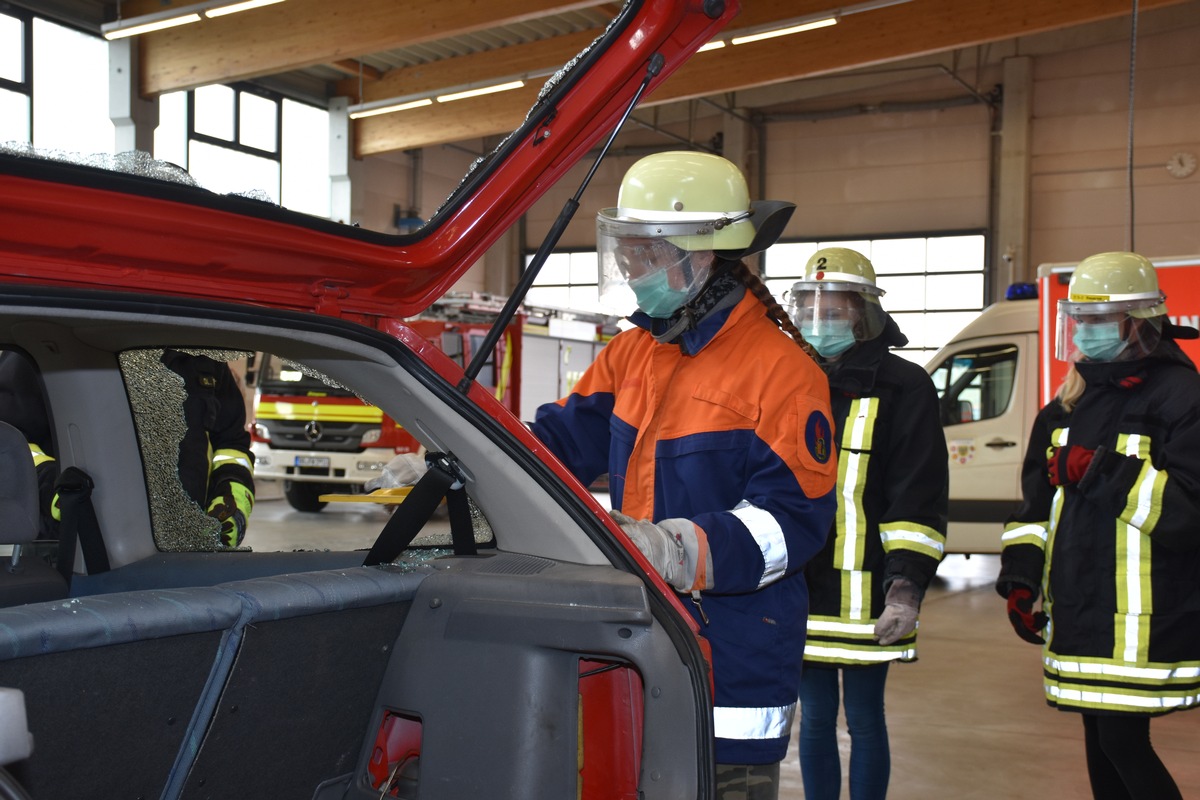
[(892, 496), (1117, 555)]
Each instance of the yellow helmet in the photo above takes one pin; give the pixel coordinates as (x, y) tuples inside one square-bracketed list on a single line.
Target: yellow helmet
[(837, 302), (1114, 309), (676, 213), (1124, 281)]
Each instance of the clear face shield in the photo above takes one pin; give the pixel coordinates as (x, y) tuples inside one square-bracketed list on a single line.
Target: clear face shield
[(655, 266), (1113, 331), (834, 316)]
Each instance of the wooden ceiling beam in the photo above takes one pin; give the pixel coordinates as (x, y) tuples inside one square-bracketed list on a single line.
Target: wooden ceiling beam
[(303, 33), (894, 33)]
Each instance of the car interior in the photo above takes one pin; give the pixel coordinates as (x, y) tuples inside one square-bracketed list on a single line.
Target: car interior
[(216, 672)]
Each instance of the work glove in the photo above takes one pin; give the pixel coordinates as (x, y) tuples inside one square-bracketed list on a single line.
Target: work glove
[(676, 548), (231, 505), (403, 470), (899, 617), (1066, 465), (1025, 621)]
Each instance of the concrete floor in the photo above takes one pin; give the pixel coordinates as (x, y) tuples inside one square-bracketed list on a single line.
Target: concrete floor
[(967, 721)]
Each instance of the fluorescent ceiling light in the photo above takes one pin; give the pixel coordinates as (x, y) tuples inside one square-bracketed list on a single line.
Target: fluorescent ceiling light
[(236, 7), (372, 110), (500, 87), (806, 26), (183, 15), (798, 24)]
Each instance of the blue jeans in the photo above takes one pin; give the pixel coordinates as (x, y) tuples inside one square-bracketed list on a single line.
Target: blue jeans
[(870, 758)]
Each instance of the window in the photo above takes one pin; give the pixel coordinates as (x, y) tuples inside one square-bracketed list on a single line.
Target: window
[(934, 285), (46, 99), (240, 139), (977, 384), (567, 281)]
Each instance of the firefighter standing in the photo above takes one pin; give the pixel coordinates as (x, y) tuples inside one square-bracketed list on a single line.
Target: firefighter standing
[(1108, 534), (889, 533), (216, 466), (714, 429)]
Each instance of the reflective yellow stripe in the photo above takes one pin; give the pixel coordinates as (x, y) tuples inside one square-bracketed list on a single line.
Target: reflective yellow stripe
[(228, 455), (1025, 533), (911, 536), (869, 654), (853, 460), (856, 593), (1144, 503), (1147, 687), (1135, 602), (322, 412), (39, 455)]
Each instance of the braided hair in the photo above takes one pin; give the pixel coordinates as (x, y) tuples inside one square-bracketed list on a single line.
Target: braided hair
[(776, 312)]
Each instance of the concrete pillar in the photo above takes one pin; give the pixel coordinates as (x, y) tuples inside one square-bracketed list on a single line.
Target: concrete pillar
[(347, 193), (1010, 239), (133, 117)]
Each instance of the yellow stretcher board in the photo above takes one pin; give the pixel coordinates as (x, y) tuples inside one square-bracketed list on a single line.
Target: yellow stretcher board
[(387, 497)]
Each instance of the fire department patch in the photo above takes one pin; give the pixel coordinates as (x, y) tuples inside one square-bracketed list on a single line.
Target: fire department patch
[(818, 437)]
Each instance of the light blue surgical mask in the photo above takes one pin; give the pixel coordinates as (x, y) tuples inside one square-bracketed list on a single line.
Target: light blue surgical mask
[(1099, 341), (656, 296), (835, 338)]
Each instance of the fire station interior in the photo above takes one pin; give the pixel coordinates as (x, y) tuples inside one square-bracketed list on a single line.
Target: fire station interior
[(1036, 133)]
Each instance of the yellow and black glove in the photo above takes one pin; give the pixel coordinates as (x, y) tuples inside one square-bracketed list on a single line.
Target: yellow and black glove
[(231, 505)]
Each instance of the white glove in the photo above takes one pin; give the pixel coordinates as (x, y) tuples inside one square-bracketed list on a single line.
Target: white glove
[(403, 470), (899, 617), (674, 547)]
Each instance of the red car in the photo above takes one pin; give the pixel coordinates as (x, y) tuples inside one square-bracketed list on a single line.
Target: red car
[(531, 653)]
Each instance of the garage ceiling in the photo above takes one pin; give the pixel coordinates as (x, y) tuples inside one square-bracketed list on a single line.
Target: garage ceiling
[(374, 50)]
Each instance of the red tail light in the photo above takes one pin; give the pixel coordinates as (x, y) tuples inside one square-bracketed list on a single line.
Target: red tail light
[(395, 765)]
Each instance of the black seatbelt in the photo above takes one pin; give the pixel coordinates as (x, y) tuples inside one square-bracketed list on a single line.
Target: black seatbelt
[(442, 479), (78, 523)]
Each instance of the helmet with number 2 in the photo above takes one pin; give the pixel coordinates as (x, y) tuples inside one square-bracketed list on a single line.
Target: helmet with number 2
[(837, 303)]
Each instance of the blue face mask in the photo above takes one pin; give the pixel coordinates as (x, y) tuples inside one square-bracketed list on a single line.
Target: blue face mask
[(835, 338), (1099, 341), (655, 295)]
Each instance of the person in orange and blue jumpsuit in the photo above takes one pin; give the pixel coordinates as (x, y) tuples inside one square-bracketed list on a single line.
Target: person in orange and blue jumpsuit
[(890, 533), (714, 428), (1108, 534)]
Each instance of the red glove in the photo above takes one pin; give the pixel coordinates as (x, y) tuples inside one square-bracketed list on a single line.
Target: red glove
[(1025, 621), (1066, 465)]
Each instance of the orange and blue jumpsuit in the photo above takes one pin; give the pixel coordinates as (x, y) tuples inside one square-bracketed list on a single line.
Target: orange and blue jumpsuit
[(729, 426)]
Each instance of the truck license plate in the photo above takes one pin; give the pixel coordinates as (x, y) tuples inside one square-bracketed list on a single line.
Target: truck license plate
[(313, 461)]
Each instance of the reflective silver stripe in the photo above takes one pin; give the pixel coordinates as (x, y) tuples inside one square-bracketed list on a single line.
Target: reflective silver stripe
[(816, 652), (242, 460), (1032, 529), (732, 722), (768, 535), (849, 507), (860, 628), (917, 537), (858, 592), (1157, 674)]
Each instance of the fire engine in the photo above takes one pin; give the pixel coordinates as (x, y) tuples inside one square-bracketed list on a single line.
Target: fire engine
[(319, 438)]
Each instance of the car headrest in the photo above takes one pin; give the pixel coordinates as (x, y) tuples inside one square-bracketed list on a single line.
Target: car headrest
[(19, 514)]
